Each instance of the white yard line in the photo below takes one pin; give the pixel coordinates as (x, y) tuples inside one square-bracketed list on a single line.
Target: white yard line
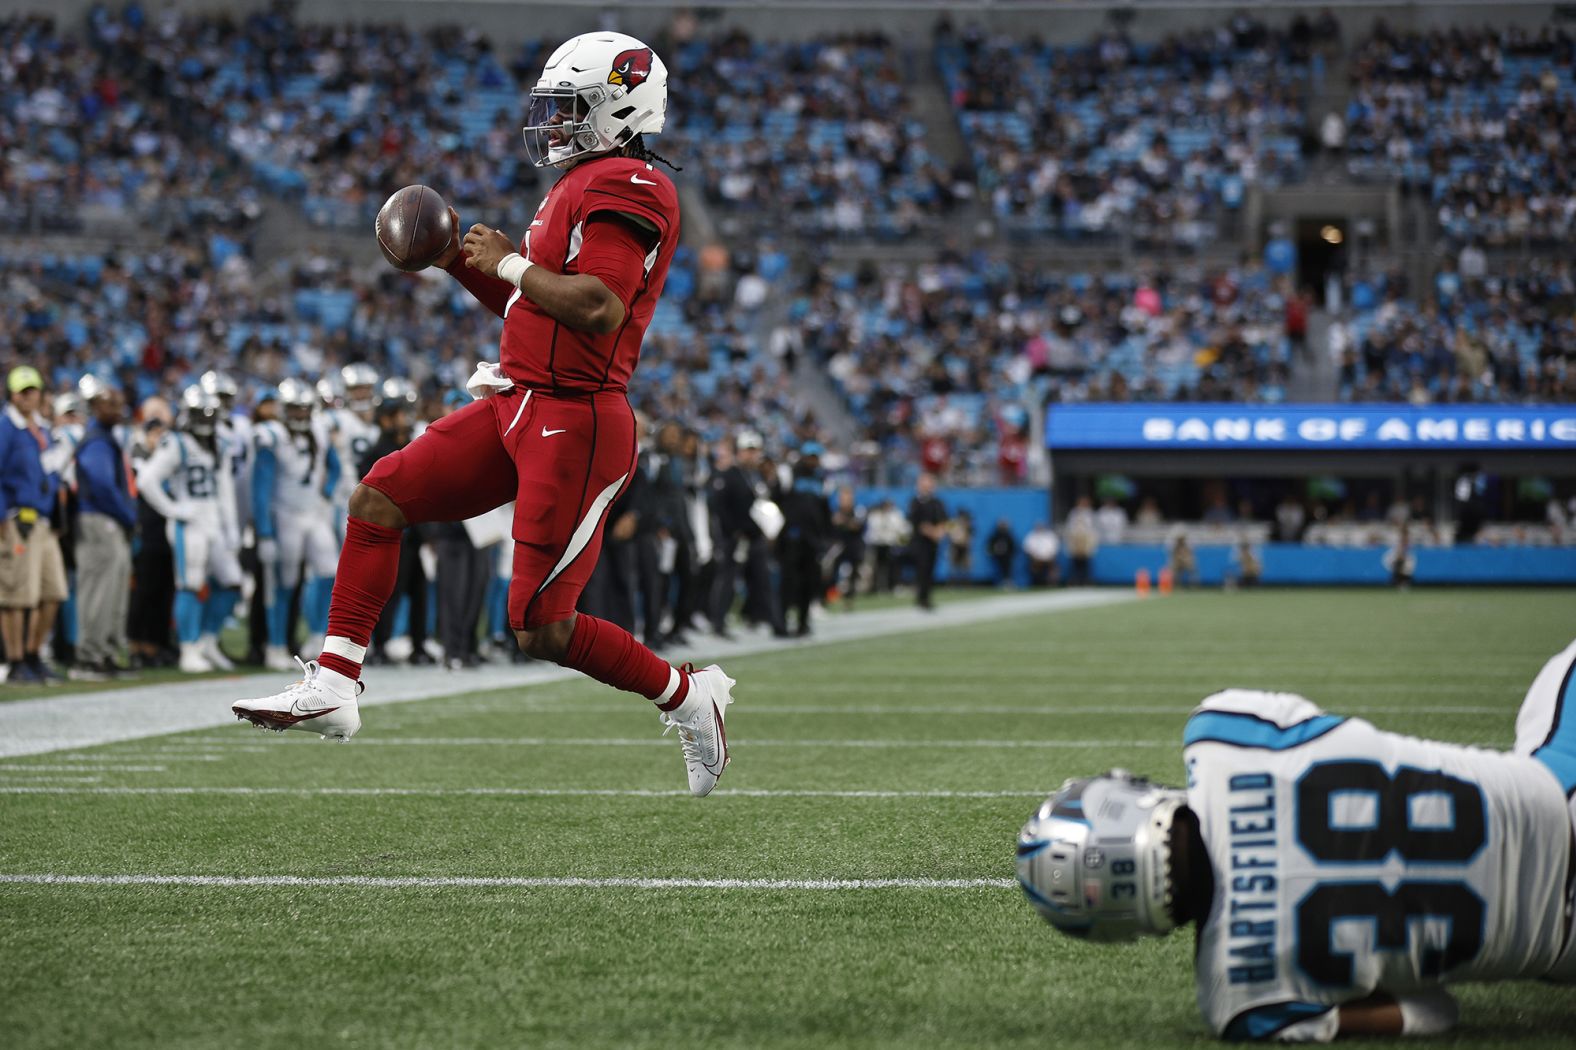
[(80, 767), (504, 792), (504, 882), (66, 722)]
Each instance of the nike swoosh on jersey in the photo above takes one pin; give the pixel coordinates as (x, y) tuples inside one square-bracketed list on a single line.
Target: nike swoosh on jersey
[(637, 180), (549, 433)]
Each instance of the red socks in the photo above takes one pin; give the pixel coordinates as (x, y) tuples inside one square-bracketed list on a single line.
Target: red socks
[(368, 568), (610, 654)]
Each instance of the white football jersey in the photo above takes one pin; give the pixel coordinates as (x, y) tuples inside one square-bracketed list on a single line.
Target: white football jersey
[(354, 438), (186, 481), (301, 473), (1349, 860), (235, 437)]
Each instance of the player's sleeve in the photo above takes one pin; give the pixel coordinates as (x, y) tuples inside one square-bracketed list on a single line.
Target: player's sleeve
[(491, 292), (263, 471), (634, 190), (1249, 718), (154, 471), (615, 252), (1289, 1022)]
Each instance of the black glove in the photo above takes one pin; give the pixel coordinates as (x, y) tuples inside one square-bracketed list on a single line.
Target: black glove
[(26, 518)]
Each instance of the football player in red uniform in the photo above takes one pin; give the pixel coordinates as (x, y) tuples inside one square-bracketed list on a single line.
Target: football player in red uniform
[(552, 428)]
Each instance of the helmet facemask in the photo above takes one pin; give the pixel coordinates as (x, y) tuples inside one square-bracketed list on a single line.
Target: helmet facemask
[(558, 125)]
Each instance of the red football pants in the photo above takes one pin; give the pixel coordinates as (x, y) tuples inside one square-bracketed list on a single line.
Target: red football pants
[(562, 459)]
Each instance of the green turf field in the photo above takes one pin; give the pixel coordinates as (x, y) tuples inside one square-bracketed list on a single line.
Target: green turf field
[(955, 736)]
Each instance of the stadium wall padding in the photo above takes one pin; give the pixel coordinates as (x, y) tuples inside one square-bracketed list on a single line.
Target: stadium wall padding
[(1294, 564)]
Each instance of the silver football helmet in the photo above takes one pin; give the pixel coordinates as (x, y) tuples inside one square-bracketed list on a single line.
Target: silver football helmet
[(199, 412), (221, 385), (1095, 859), (397, 390), (360, 381), (299, 400)]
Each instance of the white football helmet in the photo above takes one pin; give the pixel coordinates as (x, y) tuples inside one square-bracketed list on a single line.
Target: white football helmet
[(199, 413), (596, 93), (300, 400), (360, 381), (1095, 859)]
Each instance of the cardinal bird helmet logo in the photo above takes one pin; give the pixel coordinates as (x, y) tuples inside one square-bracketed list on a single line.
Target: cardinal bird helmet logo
[(631, 68)]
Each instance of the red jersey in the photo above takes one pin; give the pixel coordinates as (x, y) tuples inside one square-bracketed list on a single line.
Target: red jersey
[(543, 354)]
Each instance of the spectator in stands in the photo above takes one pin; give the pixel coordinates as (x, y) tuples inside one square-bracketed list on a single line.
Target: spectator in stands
[(1041, 546), (1111, 522), (1290, 518), (1083, 540), (106, 522), (32, 570), (928, 517)]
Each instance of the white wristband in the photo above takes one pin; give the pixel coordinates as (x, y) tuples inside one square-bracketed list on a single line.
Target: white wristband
[(512, 268)]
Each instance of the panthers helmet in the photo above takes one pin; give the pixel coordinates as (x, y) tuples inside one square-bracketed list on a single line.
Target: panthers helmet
[(220, 385), (330, 392), (299, 400), (1095, 859), (199, 412), (360, 382), (597, 92), (397, 390)]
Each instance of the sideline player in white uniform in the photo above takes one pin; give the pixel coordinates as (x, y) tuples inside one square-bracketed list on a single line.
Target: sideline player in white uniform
[(1339, 875), (235, 438), (187, 480), (354, 433), (294, 474)]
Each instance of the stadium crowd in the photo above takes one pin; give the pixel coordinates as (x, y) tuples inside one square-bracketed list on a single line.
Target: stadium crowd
[(1480, 121), (1155, 142), (1506, 336)]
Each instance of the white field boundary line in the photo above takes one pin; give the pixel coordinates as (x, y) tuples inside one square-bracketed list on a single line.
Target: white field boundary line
[(503, 882), (745, 742), (70, 721), (964, 710), (502, 792)]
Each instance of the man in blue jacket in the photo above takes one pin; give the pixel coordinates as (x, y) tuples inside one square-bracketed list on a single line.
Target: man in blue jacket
[(32, 572), (108, 516)]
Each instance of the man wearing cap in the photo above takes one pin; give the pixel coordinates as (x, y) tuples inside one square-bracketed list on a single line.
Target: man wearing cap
[(107, 519), (32, 572)]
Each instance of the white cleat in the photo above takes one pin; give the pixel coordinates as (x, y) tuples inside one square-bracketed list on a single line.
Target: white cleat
[(208, 645), (275, 658), (193, 660), (312, 704), (312, 648), (699, 720)]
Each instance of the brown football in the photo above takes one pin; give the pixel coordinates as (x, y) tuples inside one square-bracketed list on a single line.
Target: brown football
[(414, 228)]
